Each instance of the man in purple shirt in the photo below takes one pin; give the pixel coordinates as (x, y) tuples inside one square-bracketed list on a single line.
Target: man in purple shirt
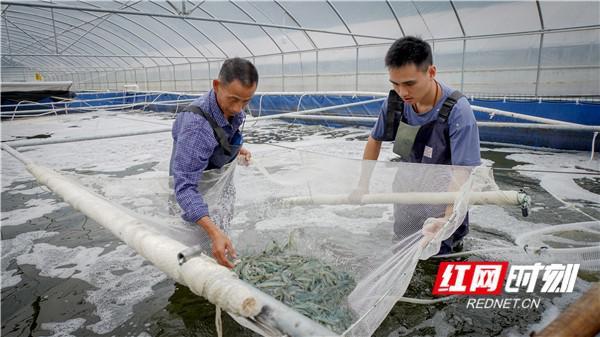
[(430, 123), (206, 136)]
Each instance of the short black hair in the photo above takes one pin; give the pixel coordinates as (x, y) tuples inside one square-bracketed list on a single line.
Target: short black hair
[(238, 69), (409, 50)]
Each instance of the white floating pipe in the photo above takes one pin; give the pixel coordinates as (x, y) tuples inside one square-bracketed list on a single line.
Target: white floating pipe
[(490, 111), (411, 198), (201, 274), (350, 119), (493, 112), (571, 127)]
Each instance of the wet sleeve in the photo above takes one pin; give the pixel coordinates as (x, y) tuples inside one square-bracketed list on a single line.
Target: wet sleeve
[(464, 135), (192, 152)]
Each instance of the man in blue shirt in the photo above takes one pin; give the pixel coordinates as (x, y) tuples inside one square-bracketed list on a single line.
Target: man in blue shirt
[(207, 137), (429, 123)]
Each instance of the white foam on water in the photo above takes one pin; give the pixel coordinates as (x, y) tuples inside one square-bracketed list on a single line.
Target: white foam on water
[(560, 185), (79, 125), (60, 262), (12, 171), (64, 329), (27, 190), (35, 208), (120, 277), (507, 150), (12, 248), (487, 162), (112, 154), (497, 218)]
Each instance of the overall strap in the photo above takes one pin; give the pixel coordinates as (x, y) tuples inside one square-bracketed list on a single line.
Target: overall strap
[(448, 105), (220, 134), (395, 107)]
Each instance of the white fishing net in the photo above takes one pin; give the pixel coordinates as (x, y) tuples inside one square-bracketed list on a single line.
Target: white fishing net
[(316, 202)]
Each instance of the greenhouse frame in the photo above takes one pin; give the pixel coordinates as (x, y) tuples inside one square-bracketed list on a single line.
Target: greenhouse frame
[(528, 48)]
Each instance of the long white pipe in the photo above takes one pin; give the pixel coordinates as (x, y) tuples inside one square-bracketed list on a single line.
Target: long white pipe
[(573, 127), (490, 111), (201, 274), (493, 112), (412, 198), (570, 127)]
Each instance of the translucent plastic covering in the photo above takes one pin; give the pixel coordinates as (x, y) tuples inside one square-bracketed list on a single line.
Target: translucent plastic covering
[(543, 48)]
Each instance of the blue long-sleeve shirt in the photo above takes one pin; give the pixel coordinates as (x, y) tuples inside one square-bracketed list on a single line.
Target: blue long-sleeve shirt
[(193, 144)]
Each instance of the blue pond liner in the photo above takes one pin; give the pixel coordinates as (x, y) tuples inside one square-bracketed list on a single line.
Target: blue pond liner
[(573, 111)]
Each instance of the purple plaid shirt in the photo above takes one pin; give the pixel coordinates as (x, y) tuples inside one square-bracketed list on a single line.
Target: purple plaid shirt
[(193, 144)]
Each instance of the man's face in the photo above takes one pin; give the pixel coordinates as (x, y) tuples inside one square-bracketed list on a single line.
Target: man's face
[(411, 83), (233, 97)]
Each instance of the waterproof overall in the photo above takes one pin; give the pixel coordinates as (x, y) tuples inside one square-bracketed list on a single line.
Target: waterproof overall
[(428, 144), (214, 185)]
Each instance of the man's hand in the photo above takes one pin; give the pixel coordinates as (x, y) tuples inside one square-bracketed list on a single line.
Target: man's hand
[(221, 247), (431, 227), (221, 244), (244, 156)]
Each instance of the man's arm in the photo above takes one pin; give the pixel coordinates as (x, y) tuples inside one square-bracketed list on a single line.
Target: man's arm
[(370, 155), (192, 152), (221, 244), (372, 149)]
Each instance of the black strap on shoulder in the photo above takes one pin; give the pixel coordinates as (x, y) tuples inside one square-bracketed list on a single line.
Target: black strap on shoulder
[(448, 105), (395, 108), (220, 134)]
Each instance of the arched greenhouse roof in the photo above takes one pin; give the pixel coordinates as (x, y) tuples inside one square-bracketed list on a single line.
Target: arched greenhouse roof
[(537, 48)]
